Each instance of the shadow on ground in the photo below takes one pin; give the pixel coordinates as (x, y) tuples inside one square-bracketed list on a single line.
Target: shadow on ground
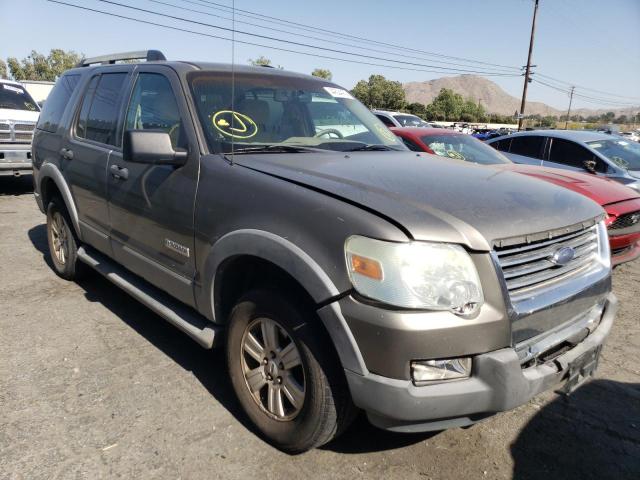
[(209, 366), (594, 433), (15, 186)]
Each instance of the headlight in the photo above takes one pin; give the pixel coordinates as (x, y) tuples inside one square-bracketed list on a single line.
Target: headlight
[(604, 249), (421, 275)]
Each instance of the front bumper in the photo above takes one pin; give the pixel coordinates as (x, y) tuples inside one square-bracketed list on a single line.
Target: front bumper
[(498, 382), (15, 160), (624, 248)]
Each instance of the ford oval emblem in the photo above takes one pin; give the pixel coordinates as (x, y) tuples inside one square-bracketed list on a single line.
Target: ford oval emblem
[(562, 256)]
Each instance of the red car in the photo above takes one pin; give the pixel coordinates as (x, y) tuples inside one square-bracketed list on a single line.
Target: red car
[(621, 203)]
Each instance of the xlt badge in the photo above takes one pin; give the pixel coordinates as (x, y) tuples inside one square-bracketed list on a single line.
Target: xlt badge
[(176, 247)]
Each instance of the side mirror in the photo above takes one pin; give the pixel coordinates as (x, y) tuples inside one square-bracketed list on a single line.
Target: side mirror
[(151, 146), (590, 165)]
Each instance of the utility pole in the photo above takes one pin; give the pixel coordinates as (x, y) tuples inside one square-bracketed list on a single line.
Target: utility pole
[(566, 124), (528, 67)]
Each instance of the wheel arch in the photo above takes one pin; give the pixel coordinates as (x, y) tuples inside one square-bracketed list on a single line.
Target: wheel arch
[(50, 183), (264, 253)]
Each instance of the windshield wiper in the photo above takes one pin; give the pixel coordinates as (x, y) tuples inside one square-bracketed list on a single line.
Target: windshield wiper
[(371, 148), (275, 149)]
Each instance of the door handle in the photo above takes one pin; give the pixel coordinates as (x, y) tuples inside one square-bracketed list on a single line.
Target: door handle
[(66, 154), (118, 172)]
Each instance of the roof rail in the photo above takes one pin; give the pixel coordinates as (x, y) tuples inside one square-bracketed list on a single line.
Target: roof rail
[(148, 55)]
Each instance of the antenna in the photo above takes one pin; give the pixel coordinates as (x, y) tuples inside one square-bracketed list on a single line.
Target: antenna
[(233, 73)]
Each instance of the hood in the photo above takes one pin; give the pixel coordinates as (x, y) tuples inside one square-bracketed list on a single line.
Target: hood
[(599, 189), (437, 200), (18, 115)]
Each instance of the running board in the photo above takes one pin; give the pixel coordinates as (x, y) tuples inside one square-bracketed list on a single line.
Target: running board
[(173, 311)]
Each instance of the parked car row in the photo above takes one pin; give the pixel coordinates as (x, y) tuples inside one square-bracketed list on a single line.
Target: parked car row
[(622, 204)]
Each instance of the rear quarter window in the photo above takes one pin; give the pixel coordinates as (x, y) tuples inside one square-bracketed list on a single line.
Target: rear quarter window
[(57, 102)]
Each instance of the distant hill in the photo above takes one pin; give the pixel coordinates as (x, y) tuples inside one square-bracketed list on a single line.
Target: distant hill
[(493, 98)]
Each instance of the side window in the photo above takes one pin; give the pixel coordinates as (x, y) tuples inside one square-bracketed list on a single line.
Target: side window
[(530, 146), (100, 122), (153, 106), (502, 145), (411, 145), (385, 120), (571, 154), (81, 126), (57, 102)]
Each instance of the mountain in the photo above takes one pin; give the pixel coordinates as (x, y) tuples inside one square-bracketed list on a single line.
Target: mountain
[(492, 97)]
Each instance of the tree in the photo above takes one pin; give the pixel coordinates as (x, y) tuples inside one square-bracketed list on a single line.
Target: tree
[(322, 73), (261, 61), (3, 69), (447, 105), (378, 92), (37, 66), (417, 108)]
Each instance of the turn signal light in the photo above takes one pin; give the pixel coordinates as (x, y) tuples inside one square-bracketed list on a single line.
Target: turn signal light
[(366, 267)]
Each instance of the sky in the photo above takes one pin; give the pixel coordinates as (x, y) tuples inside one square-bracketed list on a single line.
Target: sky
[(589, 43)]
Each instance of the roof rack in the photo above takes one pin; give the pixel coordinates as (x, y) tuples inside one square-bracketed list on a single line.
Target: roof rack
[(148, 55)]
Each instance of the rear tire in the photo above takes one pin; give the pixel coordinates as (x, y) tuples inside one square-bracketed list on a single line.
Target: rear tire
[(285, 372), (63, 244)]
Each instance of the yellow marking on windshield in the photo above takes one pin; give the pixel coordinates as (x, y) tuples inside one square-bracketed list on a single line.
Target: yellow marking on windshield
[(234, 124)]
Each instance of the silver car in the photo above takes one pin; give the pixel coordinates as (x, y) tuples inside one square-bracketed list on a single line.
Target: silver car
[(602, 154)]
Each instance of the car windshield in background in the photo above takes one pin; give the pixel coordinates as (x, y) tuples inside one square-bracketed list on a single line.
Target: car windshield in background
[(622, 152), (275, 113), (464, 147), (410, 121), (15, 97)]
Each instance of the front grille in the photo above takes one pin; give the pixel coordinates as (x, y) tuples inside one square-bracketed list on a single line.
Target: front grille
[(17, 132), (23, 137), (625, 221), (528, 267)]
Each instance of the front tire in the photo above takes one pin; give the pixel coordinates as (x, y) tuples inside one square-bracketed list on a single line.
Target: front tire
[(63, 245), (285, 372)]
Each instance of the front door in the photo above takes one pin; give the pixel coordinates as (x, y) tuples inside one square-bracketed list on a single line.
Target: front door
[(151, 206)]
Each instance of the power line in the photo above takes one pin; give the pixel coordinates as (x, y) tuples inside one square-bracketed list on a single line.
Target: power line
[(587, 98), (312, 37), (590, 89), (268, 18), (300, 44), (243, 42)]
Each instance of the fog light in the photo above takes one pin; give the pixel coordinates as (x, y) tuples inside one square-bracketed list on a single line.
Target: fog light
[(429, 371)]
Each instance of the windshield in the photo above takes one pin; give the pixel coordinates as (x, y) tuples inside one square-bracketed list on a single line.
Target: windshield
[(622, 152), (464, 147), (410, 121), (280, 112), (16, 97)]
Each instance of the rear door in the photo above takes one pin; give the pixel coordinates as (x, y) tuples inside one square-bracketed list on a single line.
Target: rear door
[(86, 150), (151, 206), (527, 149)]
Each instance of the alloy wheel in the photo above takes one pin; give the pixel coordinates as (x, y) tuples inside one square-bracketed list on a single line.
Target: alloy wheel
[(59, 239), (272, 368)]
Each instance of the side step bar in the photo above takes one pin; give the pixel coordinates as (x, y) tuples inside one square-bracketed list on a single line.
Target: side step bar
[(173, 311)]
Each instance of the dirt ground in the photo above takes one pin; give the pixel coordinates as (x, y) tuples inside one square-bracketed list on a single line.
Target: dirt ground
[(93, 385)]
